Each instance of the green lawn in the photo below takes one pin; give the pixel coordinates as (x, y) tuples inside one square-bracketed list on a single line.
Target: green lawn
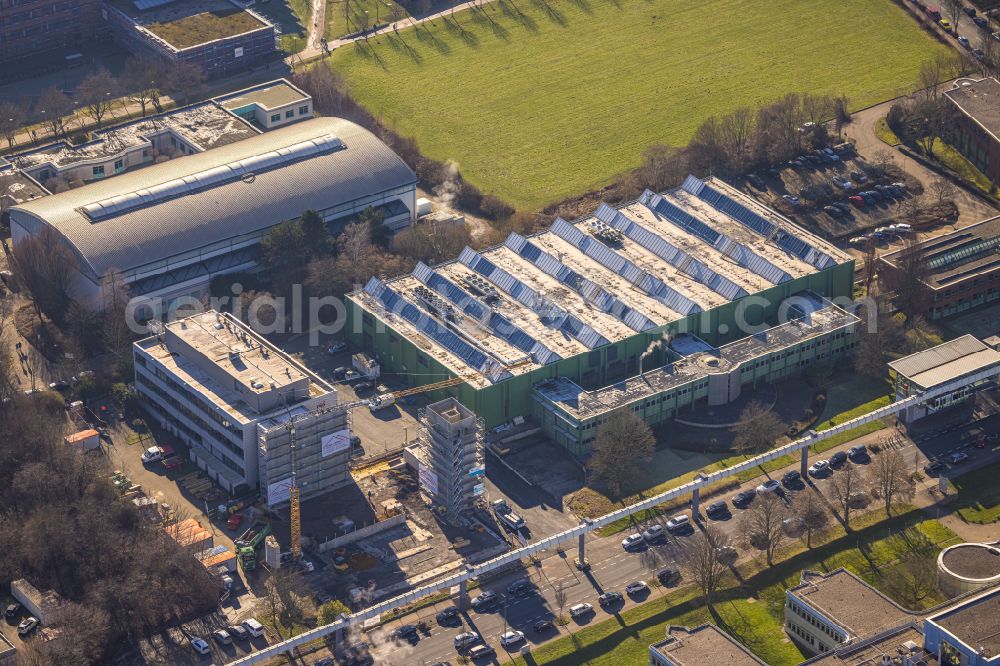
[(965, 169), (339, 24), (978, 495), (544, 100), (885, 133), (754, 617)]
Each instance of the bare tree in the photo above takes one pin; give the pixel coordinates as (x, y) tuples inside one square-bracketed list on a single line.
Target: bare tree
[(139, 78), (736, 131), (810, 509), (97, 91), (906, 279), (623, 443), (889, 478), (560, 599), (844, 487), (46, 269), (701, 557), (183, 81), (662, 167), (930, 78), (871, 262), (757, 429), (117, 335), (285, 599), (11, 120), (943, 189), (52, 108), (882, 160), (761, 524), (954, 8), (913, 579)]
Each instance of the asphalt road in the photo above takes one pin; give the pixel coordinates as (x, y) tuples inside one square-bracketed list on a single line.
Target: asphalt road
[(613, 568)]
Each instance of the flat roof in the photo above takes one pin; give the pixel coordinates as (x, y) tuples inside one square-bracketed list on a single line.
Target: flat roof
[(972, 560), (248, 359), (946, 362), (204, 126), (187, 23), (904, 641), (849, 602), (975, 622), (271, 95), (706, 645), (17, 187), (572, 399), (963, 254), (605, 277), (980, 101)]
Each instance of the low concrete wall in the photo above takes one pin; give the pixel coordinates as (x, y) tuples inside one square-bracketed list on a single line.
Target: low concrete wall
[(361, 533)]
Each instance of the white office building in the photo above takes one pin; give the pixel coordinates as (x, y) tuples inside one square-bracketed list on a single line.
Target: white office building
[(241, 405)]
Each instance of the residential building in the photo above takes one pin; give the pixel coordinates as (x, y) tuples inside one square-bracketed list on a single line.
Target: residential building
[(593, 301), (947, 362), (706, 645), (976, 133), (221, 37), (960, 270), (40, 28), (168, 228), (451, 456), (251, 415), (825, 611)]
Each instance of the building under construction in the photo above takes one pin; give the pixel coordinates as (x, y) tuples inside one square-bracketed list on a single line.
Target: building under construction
[(450, 455), (251, 415), (591, 301)]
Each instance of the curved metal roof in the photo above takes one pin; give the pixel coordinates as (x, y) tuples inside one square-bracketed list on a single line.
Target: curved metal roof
[(130, 236)]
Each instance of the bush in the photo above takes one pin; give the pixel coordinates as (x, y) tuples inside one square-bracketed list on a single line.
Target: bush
[(495, 208), (469, 197)]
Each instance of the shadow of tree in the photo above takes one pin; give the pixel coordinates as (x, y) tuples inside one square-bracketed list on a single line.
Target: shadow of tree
[(551, 12)]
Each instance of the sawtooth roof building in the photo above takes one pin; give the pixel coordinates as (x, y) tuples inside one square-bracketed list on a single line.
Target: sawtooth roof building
[(589, 301), (169, 227)]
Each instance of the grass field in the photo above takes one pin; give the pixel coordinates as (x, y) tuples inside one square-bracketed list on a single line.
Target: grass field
[(752, 614), (553, 98), (978, 495)]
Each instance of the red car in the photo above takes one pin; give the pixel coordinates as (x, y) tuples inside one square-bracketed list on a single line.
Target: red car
[(856, 200), (173, 462), (234, 522)]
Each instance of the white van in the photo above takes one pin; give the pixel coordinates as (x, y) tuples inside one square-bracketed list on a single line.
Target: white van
[(255, 628)]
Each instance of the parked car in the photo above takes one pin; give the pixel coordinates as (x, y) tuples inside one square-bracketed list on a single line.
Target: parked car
[(633, 541), (934, 467), (222, 637), (982, 22), (12, 611), (668, 575), (726, 555), (520, 588), (859, 176), (769, 486), (234, 521), (405, 632), (609, 598), (200, 645), (757, 181), (978, 53), (946, 24), (336, 347), (448, 615), (27, 625), (791, 478), (481, 652), (679, 523), (743, 498), (792, 525), (819, 467), (255, 628), (859, 452), (155, 454), (969, 11), (466, 638), (653, 533), (542, 626), (956, 458), (512, 637), (857, 201), (833, 211), (635, 587), (964, 41), (792, 199), (716, 509), (485, 600), (579, 610), (838, 459), (842, 183), (844, 208), (238, 632)]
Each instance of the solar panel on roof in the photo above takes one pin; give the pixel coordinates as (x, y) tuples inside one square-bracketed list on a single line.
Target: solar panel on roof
[(548, 312), (591, 292), (494, 321), (677, 258), (398, 305)]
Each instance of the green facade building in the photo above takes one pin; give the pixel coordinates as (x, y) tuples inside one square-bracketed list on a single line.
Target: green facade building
[(595, 301)]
